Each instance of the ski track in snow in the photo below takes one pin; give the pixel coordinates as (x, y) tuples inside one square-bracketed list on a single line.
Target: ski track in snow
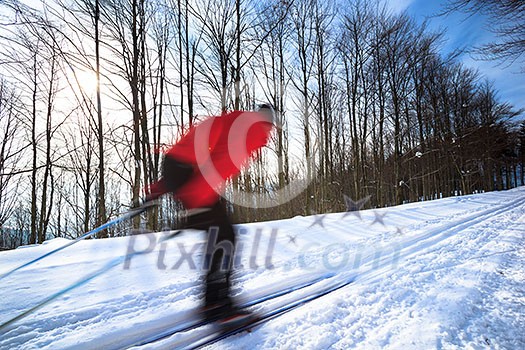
[(443, 274)]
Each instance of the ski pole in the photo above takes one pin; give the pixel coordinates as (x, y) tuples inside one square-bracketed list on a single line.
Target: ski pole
[(130, 214), (108, 266)]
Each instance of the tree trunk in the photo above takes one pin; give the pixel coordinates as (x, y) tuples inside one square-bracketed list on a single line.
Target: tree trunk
[(102, 216)]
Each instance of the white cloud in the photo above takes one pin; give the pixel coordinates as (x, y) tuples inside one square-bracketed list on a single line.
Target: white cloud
[(398, 5)]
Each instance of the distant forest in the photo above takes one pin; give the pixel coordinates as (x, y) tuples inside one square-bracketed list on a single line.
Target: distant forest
[(92, 91)]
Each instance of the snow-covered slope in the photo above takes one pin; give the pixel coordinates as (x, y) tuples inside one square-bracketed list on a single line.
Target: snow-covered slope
[(448, 273)]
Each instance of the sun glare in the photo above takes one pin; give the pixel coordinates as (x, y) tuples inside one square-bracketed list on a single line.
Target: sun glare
[(87, 81)]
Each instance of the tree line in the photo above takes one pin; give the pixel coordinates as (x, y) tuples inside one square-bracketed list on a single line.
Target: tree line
[(92, 91)]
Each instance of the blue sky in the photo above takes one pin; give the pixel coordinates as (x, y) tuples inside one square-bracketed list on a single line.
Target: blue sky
[(463, 31)]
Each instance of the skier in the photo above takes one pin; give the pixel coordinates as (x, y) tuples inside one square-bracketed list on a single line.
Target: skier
[(195, 171)]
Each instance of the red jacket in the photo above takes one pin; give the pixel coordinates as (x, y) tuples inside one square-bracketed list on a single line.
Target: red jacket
[(218, 148)]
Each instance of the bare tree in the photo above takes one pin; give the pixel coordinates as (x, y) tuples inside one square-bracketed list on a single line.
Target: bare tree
[(356, 54), (506, 19), (217, 22), (81, 162), (274, 37), (521, 152), (38, 74), (303, 26), (324, 18), (126, 25), (102, 216), (10, 151), (399, 36)]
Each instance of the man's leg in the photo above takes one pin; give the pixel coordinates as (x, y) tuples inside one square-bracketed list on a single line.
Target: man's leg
[(219, 256), (220, 249)]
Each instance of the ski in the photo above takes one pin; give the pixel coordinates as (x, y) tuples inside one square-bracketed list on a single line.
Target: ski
[(217, 334), (188, 325), (111, 264), (127, 215)]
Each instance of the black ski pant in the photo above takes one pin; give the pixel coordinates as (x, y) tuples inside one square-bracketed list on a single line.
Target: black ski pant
[(220, 248)]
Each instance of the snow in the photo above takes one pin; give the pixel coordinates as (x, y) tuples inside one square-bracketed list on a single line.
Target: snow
[(443, 274)]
